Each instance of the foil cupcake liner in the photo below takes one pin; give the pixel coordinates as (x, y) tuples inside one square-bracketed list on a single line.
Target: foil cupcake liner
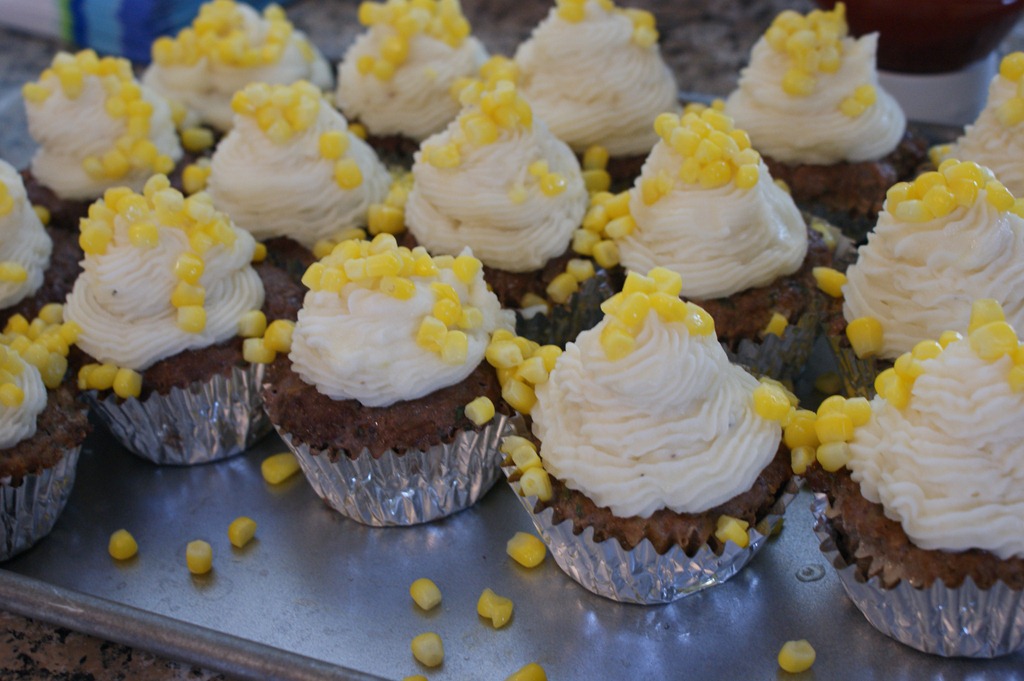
[(29, 511), (781, 357), (858, 374), (562, 323), (207, 421), (963, 622), (415, 487), (642, 575)]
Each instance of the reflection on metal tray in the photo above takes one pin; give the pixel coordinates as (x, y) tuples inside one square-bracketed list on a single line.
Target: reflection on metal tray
[(317, 595)]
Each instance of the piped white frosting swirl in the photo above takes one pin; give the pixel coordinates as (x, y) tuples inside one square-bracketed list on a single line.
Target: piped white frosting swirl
[(23, 240), (812, 129), (470, 205), (122, 298), (992, 144), (919, 279), (19, 423), (416, 102), (205, 88), (592, 84), (721, 241), (949, 467), (289, 189), (671, 425), (70, 130), (361, 344)]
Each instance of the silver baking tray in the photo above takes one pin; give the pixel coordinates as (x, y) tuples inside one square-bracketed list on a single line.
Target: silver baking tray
[(318, 596)]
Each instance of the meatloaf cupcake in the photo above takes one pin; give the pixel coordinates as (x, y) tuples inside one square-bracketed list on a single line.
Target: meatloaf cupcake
[(228, 46), (811, 102), (396, 79), (165, 290), (996, 139), (948, 238), (496, 180), (290, 170), (384, 393), (41, 429), (594, 73), (661, 467), (96, 128), (706, 208), (920, 510), (25, 246)]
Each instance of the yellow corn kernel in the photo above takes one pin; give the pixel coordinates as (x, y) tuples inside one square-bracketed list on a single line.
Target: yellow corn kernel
[(127, 383), (95, 237), (993, 340), (496, 608), (428, 649), (101, 376), (800, 458), (1016, 378), (998, 195), (562, 287), (196, 139), (347, 174), (193, 178), (122, 545), (617, 342), (796, 656), (466, 268), (425, 593), (595, 158), (985, 311), (503, 354), (252, 324), (907, 367), (385, 219), (535, 483), (35, 93), (829, 280), (530, 672), (553, 184), (833, 455), (199, 557), (858, 409), (255, 351), (620, 227), (770, 403), (241, 531), (186, 294), (43, 213), (333, 144), (698, 321), (278, 336), (892, 388), (525, 457), (732, 529), (192, 318), (519, 396), (442, 156), (455, 348), (865, 336), (798, 83), (189, 268), (11, 395), (533, 371), (279, 467), (776, 325), (947, 337), (606, 253), (526, 549), (800, 430), (833, 427), (480, 410)]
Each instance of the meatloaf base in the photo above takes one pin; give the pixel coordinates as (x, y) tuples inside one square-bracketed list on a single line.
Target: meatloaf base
[(60, 427)]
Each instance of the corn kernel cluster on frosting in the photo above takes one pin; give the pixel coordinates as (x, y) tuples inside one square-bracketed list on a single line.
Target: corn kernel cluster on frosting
[(996, 139), (949, 237), (942, 450), (594, 73), (22, 397), (291, 167), (645, 411), (162, 274), (705, 206), (227, 46), (121, 132), (382, 323), (496, 180), (396, 77), (25, 246), (810, 93)]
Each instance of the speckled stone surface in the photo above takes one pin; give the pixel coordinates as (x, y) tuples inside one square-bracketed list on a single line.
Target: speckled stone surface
[(705, 41)]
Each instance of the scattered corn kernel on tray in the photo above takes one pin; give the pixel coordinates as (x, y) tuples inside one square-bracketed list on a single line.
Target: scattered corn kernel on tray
[(315, 595)]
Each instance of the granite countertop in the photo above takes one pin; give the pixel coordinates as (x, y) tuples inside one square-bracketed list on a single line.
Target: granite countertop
[(706, 43)]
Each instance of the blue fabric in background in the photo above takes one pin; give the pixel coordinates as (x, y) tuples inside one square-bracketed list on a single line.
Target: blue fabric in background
[(127, 28)]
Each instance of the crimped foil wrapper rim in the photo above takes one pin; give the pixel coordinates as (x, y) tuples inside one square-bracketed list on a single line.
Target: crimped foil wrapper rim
[(966, 621), (782, 356), (144, 426), (417, 486), (564, 322), (642, 575), (858, 374), (29, 511)]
